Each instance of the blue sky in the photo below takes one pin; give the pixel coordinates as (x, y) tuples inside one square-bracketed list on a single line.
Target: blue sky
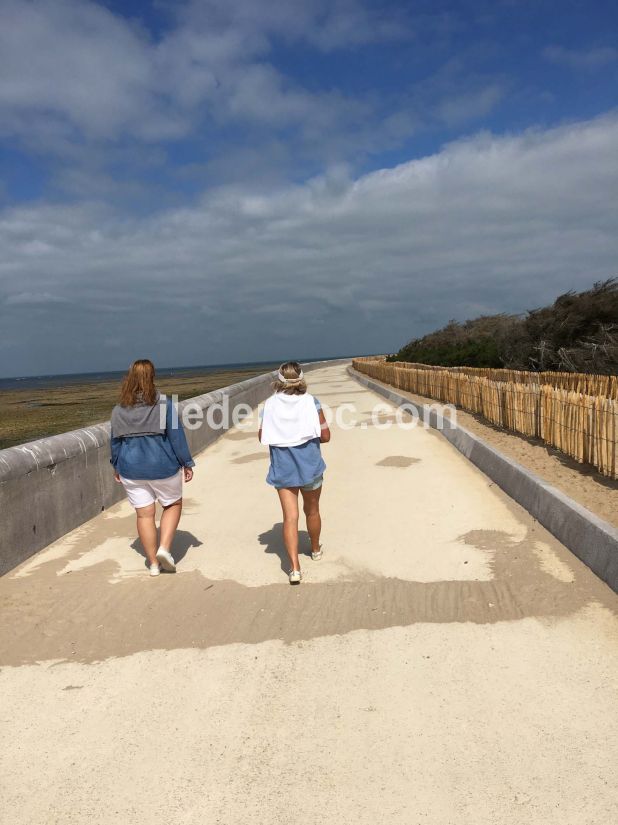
[(216, 181)]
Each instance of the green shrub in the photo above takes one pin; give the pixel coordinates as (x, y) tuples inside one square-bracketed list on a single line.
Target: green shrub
[(577, 333)]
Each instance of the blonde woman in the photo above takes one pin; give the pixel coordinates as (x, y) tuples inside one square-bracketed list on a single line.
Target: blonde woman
[(293, 426), (150, 457)]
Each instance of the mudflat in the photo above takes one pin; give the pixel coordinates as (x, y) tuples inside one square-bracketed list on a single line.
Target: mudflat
[(28, 414)]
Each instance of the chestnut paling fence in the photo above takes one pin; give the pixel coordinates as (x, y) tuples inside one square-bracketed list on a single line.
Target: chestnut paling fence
[(574, 412)]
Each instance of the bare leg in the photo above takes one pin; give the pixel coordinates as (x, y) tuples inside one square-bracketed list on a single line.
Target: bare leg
[(169, 522), (289, 505), (311, 506), (147, 531)]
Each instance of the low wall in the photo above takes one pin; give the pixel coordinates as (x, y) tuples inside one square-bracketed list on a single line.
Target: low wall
[(49, 487)]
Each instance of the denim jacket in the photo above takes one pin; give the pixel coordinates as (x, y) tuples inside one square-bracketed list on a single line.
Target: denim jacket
[(152, 456)]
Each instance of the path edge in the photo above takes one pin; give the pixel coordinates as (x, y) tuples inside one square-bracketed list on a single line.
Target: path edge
[(593, 540)]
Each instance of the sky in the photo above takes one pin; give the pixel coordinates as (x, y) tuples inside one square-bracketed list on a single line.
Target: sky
[(218, 181)]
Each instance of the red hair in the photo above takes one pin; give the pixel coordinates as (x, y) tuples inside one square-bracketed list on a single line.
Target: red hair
[(138, 385)]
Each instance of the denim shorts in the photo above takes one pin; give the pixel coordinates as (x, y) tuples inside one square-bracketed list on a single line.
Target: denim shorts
[(308, 488)]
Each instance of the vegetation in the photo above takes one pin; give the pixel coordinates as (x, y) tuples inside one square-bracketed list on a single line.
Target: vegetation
[(28, 414), (577, 333)]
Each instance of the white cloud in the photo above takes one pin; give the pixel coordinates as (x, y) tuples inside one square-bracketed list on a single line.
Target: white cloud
[(78, 61), (456, 94), (337, 264), (29, 298), (592, 58), (327, 24), (72, 65), (98, 97), (472, 105)]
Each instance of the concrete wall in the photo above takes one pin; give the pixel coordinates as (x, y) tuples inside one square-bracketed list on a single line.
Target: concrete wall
[(49, 487)]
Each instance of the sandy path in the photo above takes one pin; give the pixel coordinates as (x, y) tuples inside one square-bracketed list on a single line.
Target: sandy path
[(581, 482), (447, 661)]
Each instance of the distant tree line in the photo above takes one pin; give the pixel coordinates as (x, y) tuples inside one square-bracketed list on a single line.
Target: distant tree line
[(577, 333)]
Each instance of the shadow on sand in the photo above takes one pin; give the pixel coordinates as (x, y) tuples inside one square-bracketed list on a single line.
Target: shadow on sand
[(272, 541), (183, 542)]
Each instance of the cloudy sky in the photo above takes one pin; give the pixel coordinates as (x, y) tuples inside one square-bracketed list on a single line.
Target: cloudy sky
[(217, 181)]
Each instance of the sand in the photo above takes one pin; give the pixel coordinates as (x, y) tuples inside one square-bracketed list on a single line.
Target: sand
[(447, 661), (581, 482)]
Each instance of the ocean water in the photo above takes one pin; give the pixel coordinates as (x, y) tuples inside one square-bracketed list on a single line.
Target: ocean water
[(66, 379)]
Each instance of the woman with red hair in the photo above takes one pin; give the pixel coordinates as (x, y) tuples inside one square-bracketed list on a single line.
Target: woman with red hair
[(150, 457)]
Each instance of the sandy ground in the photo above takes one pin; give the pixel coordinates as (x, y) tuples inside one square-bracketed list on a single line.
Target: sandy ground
[(581, 482), (446, 662)]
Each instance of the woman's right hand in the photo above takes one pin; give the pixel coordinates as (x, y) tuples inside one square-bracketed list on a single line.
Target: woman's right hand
[(188, 473)]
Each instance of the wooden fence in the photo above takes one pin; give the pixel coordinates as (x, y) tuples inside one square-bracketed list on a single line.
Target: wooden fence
[(604, 385), (576, 413)]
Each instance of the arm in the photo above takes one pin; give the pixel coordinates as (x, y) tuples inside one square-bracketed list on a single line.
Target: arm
[(325, 436), (325, 432), (178, 442), (115, 452)]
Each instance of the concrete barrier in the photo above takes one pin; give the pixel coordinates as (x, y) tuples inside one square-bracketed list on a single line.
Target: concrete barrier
[(591, 539), (50, 486)]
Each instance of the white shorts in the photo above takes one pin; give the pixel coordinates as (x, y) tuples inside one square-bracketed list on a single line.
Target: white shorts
[(142, 492)]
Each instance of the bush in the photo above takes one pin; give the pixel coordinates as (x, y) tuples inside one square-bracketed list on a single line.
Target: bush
[(577, 333)]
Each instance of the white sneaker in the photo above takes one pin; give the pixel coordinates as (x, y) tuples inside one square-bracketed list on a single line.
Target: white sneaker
[(295, 576), (166, 560), (154, 569), (318, 555)]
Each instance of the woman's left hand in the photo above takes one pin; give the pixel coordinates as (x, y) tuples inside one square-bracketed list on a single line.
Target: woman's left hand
[(188, 473), (117, 477)]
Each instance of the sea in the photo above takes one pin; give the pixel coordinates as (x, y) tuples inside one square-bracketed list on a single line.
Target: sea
[(66, 379)]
